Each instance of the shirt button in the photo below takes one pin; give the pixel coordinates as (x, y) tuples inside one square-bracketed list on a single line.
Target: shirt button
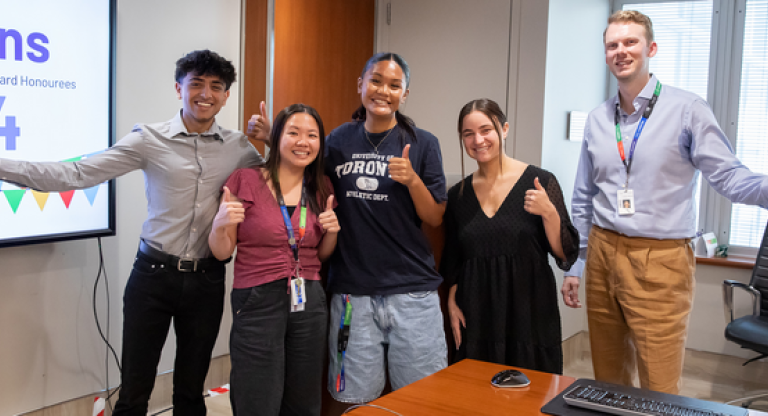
[(200, 157), (200, 181), (198, 205), (194, 230)]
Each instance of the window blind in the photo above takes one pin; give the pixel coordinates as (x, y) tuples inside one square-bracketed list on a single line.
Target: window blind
[(748, 222)]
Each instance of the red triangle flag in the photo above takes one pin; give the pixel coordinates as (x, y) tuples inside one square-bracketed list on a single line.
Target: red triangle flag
[(67, 197)]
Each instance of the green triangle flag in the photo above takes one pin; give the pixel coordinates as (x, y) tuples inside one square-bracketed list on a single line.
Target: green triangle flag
[(14, 197)]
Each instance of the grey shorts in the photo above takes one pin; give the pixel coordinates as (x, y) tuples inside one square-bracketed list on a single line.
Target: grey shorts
[(399, 333)]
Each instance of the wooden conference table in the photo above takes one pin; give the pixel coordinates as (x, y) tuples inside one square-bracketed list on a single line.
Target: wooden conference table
[(465, 389)]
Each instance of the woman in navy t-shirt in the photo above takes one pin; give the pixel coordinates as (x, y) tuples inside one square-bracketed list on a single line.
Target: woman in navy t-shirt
[(388, 178)]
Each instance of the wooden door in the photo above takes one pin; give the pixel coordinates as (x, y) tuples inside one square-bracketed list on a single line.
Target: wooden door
[(320, 50)]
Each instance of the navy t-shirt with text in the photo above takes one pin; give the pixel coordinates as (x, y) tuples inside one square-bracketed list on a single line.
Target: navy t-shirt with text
[(381, 249)]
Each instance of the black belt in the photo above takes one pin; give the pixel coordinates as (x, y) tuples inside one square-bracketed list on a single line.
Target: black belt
[(178, 263)]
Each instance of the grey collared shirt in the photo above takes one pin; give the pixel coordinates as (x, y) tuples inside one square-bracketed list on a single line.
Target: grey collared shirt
[(183, 174)]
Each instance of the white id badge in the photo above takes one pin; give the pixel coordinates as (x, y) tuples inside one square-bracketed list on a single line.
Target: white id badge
[(298, 294), (626, 201)]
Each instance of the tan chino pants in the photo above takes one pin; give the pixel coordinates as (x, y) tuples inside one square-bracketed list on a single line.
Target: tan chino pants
[(639, 296)]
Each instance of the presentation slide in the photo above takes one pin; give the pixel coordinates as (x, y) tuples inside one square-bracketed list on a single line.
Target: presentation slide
[(55, 105)]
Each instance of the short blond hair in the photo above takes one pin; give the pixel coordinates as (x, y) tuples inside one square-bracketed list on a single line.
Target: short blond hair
[(632, 16)]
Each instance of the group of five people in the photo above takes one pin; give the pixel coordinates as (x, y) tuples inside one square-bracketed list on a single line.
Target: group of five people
[(357, 199)]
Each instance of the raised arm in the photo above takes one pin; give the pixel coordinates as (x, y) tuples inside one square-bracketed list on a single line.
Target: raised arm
[(428, 209), (223, 237), (331, 228)]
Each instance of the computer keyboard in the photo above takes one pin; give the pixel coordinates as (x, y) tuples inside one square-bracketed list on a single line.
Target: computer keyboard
[(629, 401)]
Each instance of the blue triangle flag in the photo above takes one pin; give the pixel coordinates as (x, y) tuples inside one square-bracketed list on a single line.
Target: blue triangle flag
[(90, 193)]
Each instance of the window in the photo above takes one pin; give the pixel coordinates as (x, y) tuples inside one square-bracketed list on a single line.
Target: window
[(747, 222), (683, 30), (718, 49)]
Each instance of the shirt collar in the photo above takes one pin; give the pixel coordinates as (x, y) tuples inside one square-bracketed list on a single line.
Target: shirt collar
[(645, 94), (650, 87), (178, 128)]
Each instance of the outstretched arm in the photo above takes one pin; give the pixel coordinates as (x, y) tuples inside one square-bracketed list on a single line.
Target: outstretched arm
[(123, 157)]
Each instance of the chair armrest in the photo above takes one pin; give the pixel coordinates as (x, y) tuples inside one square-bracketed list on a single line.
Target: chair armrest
[(728, 286)]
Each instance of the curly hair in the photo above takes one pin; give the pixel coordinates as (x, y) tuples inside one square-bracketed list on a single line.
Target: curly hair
[(205, 62)]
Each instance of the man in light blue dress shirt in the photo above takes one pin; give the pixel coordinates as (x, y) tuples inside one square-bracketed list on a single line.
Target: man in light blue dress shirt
[(633, 204)]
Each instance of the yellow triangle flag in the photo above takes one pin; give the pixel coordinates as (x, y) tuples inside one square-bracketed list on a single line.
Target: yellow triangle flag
[(41, 198)]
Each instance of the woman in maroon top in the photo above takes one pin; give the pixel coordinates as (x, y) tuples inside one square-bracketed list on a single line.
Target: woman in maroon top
[(278, 304)]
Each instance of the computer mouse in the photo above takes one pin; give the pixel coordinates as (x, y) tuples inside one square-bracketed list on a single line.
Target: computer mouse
[(510, 378)]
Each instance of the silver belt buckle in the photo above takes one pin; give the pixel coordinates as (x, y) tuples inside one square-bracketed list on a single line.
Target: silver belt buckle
[(181, 264)]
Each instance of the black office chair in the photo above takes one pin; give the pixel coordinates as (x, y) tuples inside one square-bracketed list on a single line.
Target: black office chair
[(751, 331)]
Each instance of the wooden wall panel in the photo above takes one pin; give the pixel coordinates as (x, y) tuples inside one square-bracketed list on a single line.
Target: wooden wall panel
[(320, 50), (254, 59)]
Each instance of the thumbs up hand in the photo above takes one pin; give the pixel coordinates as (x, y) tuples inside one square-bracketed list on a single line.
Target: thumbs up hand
[(537, 201), (400, 169), (259, 126), (231, 211), (328, 218)]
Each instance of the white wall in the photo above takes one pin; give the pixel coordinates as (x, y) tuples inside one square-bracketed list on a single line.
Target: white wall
[(442, 37), (50, 351), (707, 323), (575, 81)]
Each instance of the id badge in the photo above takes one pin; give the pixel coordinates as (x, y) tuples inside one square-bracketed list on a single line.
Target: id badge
[(298, 294), (626, 201)]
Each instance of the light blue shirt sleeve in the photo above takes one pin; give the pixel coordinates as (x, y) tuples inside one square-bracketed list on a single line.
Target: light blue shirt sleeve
[(711, 153), (581, 203)]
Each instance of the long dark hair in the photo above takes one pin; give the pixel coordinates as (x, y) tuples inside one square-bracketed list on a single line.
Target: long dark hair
[(492, 110), (406, 123), (314, 176)]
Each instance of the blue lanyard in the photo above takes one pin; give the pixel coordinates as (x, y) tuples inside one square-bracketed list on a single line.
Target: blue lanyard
[(287, 218), (646, 116)]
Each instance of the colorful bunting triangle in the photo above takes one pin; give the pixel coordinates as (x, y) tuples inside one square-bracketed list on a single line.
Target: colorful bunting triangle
[(90, 193), (14, 198), (66, 197), (41, 198)]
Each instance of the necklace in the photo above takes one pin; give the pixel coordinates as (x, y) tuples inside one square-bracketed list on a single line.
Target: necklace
[(376, 147)]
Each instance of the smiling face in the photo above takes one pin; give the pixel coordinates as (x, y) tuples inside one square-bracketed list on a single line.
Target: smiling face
[(382, 89), (628, 51), (202, 97), (300, 140), (480, 138)]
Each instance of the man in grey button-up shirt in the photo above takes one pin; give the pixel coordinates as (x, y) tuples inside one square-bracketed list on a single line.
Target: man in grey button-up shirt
[(185, 160)]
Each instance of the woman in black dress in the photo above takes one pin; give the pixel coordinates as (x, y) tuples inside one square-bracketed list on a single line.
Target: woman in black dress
[(501, 223)]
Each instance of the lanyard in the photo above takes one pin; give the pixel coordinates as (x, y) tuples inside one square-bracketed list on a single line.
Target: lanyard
[(342, 340), (646, 116), (287, 219)]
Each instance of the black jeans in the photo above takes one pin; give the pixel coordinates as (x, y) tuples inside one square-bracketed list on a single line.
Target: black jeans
[(277, 355), (155, 295)]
